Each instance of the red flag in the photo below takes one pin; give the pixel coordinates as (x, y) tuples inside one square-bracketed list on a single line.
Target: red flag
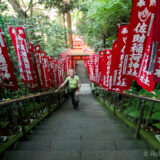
[(36, 66), (156, 72), (19, 56), (154, 58), (51, 68), (119, 80), (108, 68), (6, 66), (59, 73), (91, 71), (45, 70), (26, 57), (102, 67), (155, 41), (41, 67), (97, 72), (141, 20), (114, 62), (55, 63), (145, 78), (113, 70)]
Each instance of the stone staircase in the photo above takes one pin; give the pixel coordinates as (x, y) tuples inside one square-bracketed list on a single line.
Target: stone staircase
[(91, 133), (85, 89)]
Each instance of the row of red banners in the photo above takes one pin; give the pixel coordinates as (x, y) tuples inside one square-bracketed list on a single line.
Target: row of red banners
[(36, 69), (136, 53)]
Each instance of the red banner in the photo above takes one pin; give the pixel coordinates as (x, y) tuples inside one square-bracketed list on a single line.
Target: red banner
[(59, 73), (55, 65), (97, 72), (113, 71), (45, 68), (154, 61), (141, 20), (6, 66), (155, 40), (93, 68), (119, 80), (145, 78), (51, 68), (91, 71), (102, 67), (36, 65), (40, 66), (26, 57), (108, 68), (23, 75), (156, 71)]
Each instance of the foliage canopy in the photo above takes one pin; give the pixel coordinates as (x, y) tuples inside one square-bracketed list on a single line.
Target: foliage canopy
[(98, 23)]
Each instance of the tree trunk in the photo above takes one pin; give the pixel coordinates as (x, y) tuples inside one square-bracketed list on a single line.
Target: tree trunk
[(69, 23), (16, 6), (104, 41), (31, 8), (64, 24)]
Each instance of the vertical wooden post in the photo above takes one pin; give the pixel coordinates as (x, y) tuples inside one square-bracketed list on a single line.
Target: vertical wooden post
[(34, 106), (139, 104), (49, 103), (115, 104), (22, 121), (149, 114), (117, 99), (25, 111), (58, 97), (104, 97), (140, 118), (122, 104), (11, 116)]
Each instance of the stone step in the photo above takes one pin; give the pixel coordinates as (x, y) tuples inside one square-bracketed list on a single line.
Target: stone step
[(85, 89), (79, 131), (114, 136), (75, 126), (79, 114), (86, 155), (43, 155), (102, 145), (80, 145), (118, 155), (82, 122)]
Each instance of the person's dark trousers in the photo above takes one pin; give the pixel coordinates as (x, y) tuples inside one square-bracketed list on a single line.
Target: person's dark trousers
[(74, 98)]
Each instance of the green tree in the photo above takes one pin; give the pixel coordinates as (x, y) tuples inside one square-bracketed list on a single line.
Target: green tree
[(3, 7), (40, 28), (64, 7), (98, 23), (23, 8)]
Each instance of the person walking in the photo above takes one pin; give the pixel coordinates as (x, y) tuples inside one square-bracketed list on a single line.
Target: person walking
[(74, 87)]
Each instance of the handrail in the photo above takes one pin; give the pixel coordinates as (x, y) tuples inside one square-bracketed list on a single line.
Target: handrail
[(137, 96), (28, 97), (25, 116), (141, 107)]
